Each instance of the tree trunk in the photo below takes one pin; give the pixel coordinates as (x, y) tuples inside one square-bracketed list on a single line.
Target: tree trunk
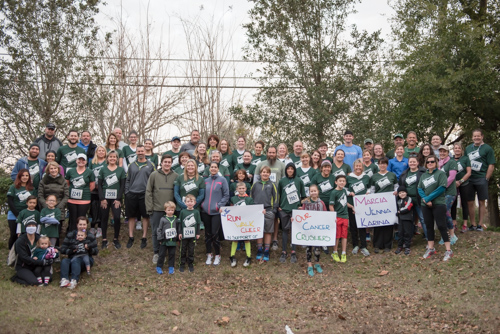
[(493, 210)]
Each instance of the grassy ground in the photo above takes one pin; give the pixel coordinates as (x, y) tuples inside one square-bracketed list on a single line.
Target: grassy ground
[(125, 295)]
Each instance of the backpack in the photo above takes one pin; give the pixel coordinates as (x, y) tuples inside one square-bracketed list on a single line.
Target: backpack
[(12, 258)]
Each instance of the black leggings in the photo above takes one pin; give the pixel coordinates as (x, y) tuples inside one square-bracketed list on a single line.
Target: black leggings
[(25, 276), (313, 250), (212, 227), (42, 271), (357, 234), (104, 214), (437, 213), (13, 234), (462, 190), (75, 211)]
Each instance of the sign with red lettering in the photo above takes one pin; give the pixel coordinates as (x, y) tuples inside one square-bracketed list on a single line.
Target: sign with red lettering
[(314, 228), (375, 210), (243, 222)]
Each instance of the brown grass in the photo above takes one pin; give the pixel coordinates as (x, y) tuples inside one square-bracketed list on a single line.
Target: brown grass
[(125, 295)]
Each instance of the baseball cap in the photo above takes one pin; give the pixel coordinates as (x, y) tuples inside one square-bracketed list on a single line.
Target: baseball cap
[(369, 140), (175, 138), (82, 156), (399, 135), (444, 147), (50, 126)]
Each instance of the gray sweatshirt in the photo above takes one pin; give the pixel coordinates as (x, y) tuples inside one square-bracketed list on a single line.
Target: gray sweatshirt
[(137, 178)]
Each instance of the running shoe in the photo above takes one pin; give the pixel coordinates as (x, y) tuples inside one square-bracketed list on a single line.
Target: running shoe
[(155, 258), (448, 255), (398, 250), (191, 268), (293, 258), (171, 270), (232, 259), (104, 244), (130, 242), (343, 258), (365, 252), (472, 228), (387, 250), (159, 270), (209, 259), (248, 261), (217, 260), (441, 242), (99, 232), (274, 246), (310, 271), (73, 284), (464, 229), (355, 250), (181, 269), (117, 244), (325, 250), (335, 257), (318, 268), (283, 257), (407, 251), (64, 283), (259, 254), (479, 228), (144, 243), (376, 250), (454, 239), (429, 252), (266, 256)]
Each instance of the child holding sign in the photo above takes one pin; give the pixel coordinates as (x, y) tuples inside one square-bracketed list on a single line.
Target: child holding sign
[(241, 199), (190, 227), (339, 204), (166, 234), (313, 203)]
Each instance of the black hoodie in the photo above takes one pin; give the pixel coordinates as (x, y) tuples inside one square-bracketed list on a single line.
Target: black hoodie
[(291, 190)]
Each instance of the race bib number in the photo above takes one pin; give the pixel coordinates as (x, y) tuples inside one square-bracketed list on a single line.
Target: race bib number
[(474, 155), (111, 179), (428, 182), (71, 156), (34, 170), (170, 233), (76, 193), (111, 194), (475, 165), (292, 197), (383, 182), (189, 232), (326, 186), (272, 177), (305, 179), (358, 187), (411, 180)]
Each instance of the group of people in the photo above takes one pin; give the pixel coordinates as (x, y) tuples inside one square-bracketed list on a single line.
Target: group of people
[(181, 192)]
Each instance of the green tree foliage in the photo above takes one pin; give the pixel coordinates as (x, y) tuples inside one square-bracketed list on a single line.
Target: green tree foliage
[(50, 73), (315, 69), (5, 183)]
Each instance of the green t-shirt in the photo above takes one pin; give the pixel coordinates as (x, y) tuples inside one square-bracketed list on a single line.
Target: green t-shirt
[(191, 186), (480, 158), (250, 169), (256, 159), (338, 198), (179, 170), (291, 192), (462, 163), (120, 153), (295, 159), (227, 160), (24, 217), (223, 171), (34, 170), (383, 183), (96, 168), (129, 155), (357, 185), (430, 182), (190, 222), (345, 169), (111, 181), (233, 191), (240, 201), (416, 149), (325, 185), (66, 156), (306, 177), (20, 196), (370, 170), (450, 165), (237, 158), (175, 158), (411, 184), (50, 230), (79, 184), (390, 155), (153, 158)]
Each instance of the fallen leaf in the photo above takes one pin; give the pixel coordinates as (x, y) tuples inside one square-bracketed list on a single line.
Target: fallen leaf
[(147, 299), (175, 312), (207, 288), (341, 317), (70, 300), (463, 292), (383, 273), (175, 328), (74, 295)]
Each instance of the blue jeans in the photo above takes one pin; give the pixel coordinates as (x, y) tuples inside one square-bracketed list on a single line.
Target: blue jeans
[(75, 265), (418, 210), (449, 203)]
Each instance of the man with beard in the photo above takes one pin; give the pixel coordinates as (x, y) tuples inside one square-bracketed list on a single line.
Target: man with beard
[(191, 145), (67, 154), (277, 167), (87, 144), (31, 163), (48, 141)]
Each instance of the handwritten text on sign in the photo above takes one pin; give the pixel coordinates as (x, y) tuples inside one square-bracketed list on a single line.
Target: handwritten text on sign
[(314, 228), (243, 222), (375, 210)]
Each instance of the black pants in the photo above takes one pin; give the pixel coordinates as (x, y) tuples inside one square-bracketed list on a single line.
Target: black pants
[(405, 231), (437, 213), (42, 271), (171, 256), (462, 190), (286, 226), (95, 205), (313, 250), (104, 213), (357, 234), (187, 251), (212, 227), (75, 211), (25, 276), (382, 236), (13, 234)]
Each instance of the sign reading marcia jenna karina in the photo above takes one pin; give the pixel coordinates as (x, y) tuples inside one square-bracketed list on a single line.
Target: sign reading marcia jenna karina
[(375, 210), (314, 228), (243, 222)]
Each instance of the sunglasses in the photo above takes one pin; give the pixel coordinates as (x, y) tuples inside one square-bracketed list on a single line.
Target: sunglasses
[(431, 162)]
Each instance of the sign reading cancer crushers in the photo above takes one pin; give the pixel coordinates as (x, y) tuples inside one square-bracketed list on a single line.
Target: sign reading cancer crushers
[(314, 228)]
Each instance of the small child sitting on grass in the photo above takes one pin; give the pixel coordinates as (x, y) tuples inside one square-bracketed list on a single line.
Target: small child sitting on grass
[(44, 251)]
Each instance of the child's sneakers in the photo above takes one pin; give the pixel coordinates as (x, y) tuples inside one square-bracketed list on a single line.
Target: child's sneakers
[(217, 260), (171, 270), (159, 270), (335, 257), (343, 258), (266, 256), (407, 251), (232, 259), (310, 271), (283, 257), (248, 261), (293, 258), (259, 254), (72, 284), (318, 268), (398, 250), (181, 268), (209, 259)]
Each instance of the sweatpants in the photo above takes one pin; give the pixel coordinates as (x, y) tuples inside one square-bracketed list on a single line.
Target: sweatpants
[(382, 237), (104, 213), (155, 222), (212, 226), (163, 252), (405, 231), (286, 226), (435, 213), (357, 234), (75, 211), (187, 251)]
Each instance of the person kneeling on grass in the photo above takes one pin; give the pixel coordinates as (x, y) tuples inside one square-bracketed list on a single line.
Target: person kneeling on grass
[(190, 227), (313, 203), (241, 199), (405, 217), (265, 192), (339, 204), (166, 234)]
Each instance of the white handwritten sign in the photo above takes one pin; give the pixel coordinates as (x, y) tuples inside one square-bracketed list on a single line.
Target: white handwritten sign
[(243, 222), (375, 210), (314, 228)]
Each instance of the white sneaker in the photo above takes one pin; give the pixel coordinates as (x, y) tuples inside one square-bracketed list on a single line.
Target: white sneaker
[(73, 284), (209, 259), (64, 283), (155, 258), (217, 260), (138, 225), (99, 233)]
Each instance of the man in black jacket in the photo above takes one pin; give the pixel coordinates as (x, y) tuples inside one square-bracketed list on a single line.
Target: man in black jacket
[(48, 141)]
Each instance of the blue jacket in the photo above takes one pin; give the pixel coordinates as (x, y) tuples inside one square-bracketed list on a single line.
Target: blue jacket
[(397, 167), (23, 163), (216, 194)]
